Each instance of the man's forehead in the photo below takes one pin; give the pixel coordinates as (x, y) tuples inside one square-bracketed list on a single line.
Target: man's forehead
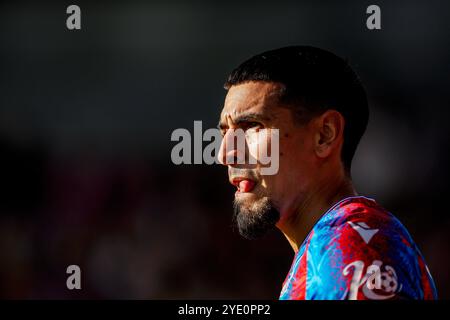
[(251, 97)]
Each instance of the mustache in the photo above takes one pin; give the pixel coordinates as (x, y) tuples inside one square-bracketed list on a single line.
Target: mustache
[(238, 172)]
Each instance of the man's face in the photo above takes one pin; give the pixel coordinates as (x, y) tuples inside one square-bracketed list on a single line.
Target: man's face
[(263, 201)]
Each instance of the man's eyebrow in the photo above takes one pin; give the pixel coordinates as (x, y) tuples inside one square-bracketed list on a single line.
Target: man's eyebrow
[(251, 116), (246, 117)]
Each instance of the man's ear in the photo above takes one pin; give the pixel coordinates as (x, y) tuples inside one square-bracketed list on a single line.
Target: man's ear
[(329, 133)]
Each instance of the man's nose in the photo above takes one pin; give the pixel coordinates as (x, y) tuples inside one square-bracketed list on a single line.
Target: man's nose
[(232, 151)]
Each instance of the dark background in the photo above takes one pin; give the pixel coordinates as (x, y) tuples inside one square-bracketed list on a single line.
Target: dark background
[(86, 117)]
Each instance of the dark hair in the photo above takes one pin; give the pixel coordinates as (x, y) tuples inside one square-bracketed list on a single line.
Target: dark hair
[(314, 81)]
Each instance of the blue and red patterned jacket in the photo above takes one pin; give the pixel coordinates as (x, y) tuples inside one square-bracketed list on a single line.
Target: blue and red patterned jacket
[(357, 251)]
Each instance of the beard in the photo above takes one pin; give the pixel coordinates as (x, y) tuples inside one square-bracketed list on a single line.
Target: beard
[(256, 219)]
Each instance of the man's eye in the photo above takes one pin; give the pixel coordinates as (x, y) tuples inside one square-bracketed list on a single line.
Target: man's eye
[(252, 125)]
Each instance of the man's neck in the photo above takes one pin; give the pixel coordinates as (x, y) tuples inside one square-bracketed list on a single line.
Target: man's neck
[(298, 226)]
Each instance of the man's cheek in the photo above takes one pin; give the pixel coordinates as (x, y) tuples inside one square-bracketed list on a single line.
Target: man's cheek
[(269, 151), (268, 183), (252, 142), (263, 149)]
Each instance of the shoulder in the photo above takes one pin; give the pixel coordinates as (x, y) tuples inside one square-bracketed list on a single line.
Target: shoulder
[(360, 221), (356, 238)]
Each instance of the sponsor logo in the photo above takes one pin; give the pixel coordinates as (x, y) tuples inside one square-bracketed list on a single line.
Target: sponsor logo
[(378, 282)]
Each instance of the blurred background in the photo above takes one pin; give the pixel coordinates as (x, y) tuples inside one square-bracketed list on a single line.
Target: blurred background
[(86, 116)]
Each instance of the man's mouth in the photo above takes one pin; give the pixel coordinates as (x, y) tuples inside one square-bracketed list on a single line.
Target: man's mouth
[(243, 184)]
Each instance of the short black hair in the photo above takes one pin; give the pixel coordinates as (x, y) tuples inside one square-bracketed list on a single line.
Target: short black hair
[(314, 80)]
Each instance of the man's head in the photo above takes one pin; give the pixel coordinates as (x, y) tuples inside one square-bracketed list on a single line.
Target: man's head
[(319, 106)]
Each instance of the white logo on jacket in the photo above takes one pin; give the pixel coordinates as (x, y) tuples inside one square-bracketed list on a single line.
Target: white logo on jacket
[(379, 285), (364, 230)]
